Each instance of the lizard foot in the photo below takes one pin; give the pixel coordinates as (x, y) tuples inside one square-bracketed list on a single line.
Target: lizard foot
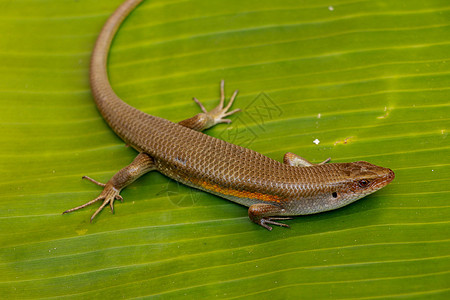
[(219, 113), (264, 221), (260, 213), (108, 195)]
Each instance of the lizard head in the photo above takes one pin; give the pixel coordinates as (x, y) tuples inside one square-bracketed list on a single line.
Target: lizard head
[(340, 184), (363, 178)]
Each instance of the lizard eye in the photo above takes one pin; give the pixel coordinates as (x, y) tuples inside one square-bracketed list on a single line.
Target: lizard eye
[(363, 183)]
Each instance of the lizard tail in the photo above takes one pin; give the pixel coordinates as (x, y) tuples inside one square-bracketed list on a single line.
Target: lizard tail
[(106, 99)]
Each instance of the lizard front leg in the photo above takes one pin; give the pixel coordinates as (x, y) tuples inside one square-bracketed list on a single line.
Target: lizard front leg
[(264, 213), (298, 161)]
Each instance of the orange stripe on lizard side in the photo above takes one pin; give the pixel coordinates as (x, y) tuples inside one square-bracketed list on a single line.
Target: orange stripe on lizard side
[(237, 193)]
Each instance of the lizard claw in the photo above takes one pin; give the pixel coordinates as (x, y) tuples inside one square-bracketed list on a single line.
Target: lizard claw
[(219, 113), (118, 197), (108, 195)]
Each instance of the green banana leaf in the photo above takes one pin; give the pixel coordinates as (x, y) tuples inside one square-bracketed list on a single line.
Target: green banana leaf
[(350, 80)]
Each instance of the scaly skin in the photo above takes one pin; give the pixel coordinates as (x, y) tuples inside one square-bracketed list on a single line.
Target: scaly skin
[(272, 190)]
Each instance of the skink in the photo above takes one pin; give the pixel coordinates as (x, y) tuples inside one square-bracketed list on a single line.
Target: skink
[(272, 190)]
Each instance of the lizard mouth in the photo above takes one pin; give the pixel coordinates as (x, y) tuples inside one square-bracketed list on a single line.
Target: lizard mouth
[(384, 180)]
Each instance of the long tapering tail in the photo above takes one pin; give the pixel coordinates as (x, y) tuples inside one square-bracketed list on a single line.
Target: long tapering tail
[(106, 99)]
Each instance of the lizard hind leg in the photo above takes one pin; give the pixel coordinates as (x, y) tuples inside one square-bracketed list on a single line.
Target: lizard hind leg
[(108, 195), (142, 164), (217, 115)]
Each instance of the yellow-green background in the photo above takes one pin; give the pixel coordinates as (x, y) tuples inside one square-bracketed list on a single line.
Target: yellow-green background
[(378, 72)]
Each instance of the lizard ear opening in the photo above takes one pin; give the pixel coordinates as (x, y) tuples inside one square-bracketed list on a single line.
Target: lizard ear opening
[(334, 194)]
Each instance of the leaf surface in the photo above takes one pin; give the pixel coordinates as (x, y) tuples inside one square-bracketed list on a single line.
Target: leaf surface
[(366, 80)]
